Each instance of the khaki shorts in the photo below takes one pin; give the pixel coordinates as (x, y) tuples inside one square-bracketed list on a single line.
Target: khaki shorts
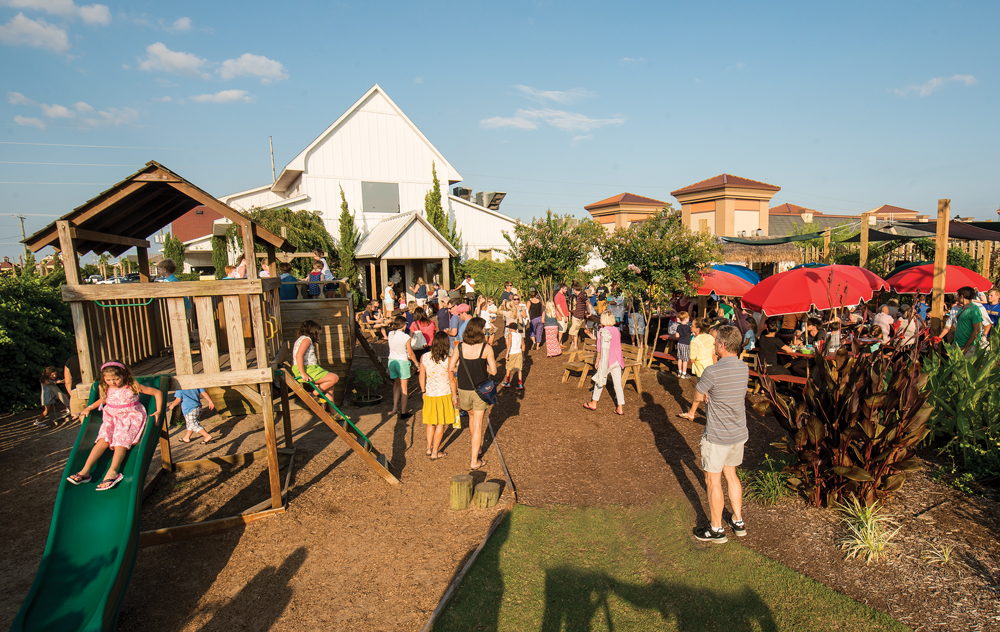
[(576, 326), (470, 400), (563, 325), (76, 403), (515, 362), (714, 456)]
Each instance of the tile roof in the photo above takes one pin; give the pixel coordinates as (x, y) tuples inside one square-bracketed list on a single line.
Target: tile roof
[(889, 209), (625, 198), (790, 209), (725, 180)]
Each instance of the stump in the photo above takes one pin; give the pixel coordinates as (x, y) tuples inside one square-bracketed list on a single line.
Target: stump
[(487, 494), (461, 491)]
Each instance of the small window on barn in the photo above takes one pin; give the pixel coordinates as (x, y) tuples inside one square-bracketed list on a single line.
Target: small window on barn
[(486, 255), (380, 197)]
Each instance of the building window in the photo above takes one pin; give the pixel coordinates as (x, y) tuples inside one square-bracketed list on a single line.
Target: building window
[(702, 225), (486, 255), (380, 197)]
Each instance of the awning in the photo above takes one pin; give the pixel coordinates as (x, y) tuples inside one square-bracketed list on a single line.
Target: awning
[(772, 241), (956, 230)]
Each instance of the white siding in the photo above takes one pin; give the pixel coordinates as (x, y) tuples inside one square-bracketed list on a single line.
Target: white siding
[(481, 230), (416, 243)]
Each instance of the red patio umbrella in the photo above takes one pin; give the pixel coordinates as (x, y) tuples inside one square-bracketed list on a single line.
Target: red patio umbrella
[(920, 279), (829, 287), (723, 284)]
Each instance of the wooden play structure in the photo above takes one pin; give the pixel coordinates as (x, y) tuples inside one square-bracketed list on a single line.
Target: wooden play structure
[(203, 334)]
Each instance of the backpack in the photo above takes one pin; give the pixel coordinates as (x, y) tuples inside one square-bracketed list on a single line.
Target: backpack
[(417, 340)]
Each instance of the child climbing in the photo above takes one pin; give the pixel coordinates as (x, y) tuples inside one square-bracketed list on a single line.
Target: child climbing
[(51, 396), (515, 355), (305, 366), (124, 419), (190, 400)]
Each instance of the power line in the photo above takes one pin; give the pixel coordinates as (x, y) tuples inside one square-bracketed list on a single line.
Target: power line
[(49, 183), (16, 214), (62, 164), (13, 142)]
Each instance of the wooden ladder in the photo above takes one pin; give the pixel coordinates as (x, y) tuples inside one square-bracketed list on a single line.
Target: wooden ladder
[(342, 425)]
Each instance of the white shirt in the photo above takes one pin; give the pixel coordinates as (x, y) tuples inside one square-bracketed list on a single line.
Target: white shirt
[(309, 359), (388, 294), (397, 344), (437, 382), (516, 343), (469, 285), (883, 322)]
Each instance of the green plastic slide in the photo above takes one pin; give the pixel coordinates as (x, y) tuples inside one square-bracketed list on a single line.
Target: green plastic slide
[(93, 538)]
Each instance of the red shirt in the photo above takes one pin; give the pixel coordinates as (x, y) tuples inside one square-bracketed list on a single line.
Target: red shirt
[(562, 308)]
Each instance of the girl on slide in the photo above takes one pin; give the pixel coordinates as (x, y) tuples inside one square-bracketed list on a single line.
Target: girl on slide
[(124, 418)]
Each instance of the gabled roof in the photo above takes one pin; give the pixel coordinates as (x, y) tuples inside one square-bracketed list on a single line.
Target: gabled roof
[(625, 198), (137, 207), (297, 165), (726, 180), (386, 232), (788, 209), (889, 209), (481, 208)]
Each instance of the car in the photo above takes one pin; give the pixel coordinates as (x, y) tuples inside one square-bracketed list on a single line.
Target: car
[(111, 280), (132, 277), (94, 278)]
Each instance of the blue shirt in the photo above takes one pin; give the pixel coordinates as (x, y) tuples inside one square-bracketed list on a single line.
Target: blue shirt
[(993, 309), (461, 327), (190, 399), (173, 279), (455, 323), (288, 292), (922, 309)]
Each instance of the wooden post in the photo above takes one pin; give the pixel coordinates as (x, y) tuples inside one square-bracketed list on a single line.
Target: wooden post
[(445, 265), (863, 252), (383, 267), (371, 280), (286, 412), (826, 246), (461, 491), (270, 438), (987, 262), (272, 261), (249, 254), (71, 264), (166, 460), (940, 264), (486, 495), (142, 254)]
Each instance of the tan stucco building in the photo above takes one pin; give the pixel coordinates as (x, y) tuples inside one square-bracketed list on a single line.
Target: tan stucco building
[(727, 205), (623, 210)]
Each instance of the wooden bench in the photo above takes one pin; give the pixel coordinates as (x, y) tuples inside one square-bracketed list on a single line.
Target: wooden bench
[(583, 362), (791, 379)]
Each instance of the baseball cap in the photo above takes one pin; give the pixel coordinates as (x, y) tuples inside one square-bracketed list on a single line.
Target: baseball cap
[(461, 308)]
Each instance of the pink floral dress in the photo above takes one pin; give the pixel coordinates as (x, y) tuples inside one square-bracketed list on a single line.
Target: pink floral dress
[(124, 418)]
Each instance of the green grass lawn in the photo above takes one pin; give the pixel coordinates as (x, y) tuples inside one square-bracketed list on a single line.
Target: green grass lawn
[(625, 569)]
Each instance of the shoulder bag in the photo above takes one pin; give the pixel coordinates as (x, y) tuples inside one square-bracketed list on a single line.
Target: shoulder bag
[(487, 389)]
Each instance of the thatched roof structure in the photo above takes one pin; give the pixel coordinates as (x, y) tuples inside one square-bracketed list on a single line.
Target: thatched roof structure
[(748, 255)]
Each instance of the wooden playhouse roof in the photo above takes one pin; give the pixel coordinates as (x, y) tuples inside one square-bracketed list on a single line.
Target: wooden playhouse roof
[(137, 207)]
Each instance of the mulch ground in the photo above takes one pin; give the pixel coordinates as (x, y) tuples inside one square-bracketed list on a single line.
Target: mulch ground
[(355, 553)]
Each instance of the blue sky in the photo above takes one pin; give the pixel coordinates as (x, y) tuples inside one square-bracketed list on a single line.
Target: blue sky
[(846, 106)]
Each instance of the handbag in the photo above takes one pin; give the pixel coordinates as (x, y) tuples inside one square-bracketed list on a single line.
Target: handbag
[(417, 340), (487, 389)]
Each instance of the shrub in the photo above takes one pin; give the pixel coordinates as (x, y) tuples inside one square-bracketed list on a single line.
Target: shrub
[(965, 393), (36, 330), (769, 484), (856, 427), (869, 533), (370, 379), (491, 275)]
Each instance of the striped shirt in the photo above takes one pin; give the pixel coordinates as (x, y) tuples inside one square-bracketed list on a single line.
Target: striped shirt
[(725, 384)]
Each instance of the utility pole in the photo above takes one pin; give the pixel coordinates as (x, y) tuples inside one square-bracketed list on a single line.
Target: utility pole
[(270, 147), (23, 236)]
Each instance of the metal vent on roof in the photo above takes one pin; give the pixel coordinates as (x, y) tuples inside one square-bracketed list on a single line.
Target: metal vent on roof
[(490, 199)]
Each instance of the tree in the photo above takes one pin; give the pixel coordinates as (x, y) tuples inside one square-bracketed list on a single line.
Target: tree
[(553, 249), (436, 217), (304, 230), (173, 249), (657, 258), (347, 248), (220, 255)]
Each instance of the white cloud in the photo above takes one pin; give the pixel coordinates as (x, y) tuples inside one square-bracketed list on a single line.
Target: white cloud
[(91, 14), (563, 97), (582, 137), (249, 65), (223, 96), (934, 84), (737, 66), (112, 117), (16, 98), (633, 60), (23, 31), (515, 122), (29, 121), (83, 107), (180, 25), (161, 58), (56, 111), (560, 119)]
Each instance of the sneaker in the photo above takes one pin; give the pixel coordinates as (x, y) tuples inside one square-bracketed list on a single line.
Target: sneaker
[(739, 528), (505, 384), (708, 534), (520, 386)]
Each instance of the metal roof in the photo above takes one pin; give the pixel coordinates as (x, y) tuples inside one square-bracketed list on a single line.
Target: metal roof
[(384, 234)]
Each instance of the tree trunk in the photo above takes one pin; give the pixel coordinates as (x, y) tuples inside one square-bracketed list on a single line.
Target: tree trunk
[(461, 491), (487, 494)]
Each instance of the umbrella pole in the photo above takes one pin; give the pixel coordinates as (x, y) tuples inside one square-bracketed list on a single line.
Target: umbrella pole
[(940, 265)]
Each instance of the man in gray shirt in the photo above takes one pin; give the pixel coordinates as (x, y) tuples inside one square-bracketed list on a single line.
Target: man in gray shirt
[(724, 384)]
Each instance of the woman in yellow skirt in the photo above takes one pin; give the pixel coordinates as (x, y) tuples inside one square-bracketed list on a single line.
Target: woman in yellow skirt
[(439, 388)]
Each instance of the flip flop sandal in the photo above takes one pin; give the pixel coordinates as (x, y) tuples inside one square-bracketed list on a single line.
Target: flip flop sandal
[(109, 483), (440, 455), (588, 408), (482, 464), (78, 479)]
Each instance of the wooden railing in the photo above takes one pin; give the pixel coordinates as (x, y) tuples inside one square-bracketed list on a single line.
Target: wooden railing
[(218, 333)]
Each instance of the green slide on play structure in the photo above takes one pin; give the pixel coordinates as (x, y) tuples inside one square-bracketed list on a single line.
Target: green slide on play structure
[(93, 538)]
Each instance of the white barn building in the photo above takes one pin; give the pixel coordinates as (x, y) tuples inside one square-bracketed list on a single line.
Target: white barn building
[(383, 163)]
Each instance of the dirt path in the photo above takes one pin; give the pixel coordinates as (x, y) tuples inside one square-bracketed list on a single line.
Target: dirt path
[(354, 553)]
